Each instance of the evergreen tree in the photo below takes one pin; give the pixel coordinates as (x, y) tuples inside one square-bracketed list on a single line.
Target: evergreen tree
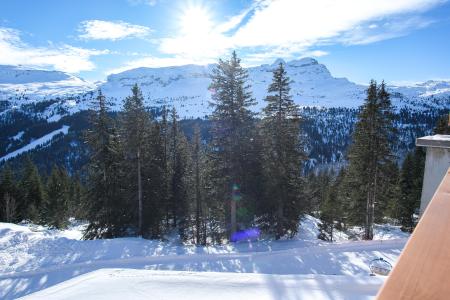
[(9, 210), (135, 125), (164, 127), (283, 154), (106, 209), (179, 172), (76, 199), (389, 192), (410, 183), (33, 193), (56, 208), (153, 181), (197, 165), (368, 157), (442, 125), (232, 129), (331, 209)]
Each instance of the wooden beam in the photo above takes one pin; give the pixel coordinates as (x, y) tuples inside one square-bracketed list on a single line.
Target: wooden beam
[(423, 268)]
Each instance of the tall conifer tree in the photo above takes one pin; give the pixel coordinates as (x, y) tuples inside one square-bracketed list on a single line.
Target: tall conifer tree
[(105, 207), (232, 131), (135, 125), (283, 154), (369, 156)]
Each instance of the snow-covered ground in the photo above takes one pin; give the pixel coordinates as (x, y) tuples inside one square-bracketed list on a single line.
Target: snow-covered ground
[(143, 284), (33, 258)]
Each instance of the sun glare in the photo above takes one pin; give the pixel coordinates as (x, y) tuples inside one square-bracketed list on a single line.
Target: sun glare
[(195, 21)]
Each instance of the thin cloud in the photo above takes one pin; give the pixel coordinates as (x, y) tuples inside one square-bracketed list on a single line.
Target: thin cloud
[(289, 21), (142, 2), (158, 62), (111, 30), (288, 28), (58, 57)]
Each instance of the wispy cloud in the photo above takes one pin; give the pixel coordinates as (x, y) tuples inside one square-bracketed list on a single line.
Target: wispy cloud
[(385, 29), (142, 2), (158, 62), (111, 30), (287, 28), (59, 57)]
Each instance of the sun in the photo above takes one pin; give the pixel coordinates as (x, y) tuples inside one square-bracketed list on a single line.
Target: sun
[(195, 21)]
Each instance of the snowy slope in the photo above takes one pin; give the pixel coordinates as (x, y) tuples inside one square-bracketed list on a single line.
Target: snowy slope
[(33, 257), (19, 82), (143, 284), (42, 141), (186, 87), (312, 84)]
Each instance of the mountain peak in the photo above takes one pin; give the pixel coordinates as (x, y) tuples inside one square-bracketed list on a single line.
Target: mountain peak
[(22, 75), (303, 62), (278, 61)]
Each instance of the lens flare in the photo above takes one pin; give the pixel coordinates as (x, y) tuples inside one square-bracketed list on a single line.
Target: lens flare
[(246, 235)]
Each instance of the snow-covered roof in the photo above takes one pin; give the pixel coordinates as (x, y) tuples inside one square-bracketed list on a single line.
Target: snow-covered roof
[(436, 141)]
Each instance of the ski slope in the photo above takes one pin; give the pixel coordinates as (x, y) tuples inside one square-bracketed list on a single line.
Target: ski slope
[(42, 141), (33, 258)]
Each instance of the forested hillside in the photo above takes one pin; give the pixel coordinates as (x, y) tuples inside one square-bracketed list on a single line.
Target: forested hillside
[(144, 171)]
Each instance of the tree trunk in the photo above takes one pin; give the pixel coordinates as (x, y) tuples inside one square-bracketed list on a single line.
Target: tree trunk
[(139, 190), (367, 230), (233, 218), (197, 195), (279, 221)]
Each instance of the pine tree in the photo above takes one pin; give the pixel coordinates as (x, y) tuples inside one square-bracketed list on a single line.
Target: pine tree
[(410, 184), (442, 125), (135, 125), (106, 209), (368, 157), (197, 153), (283, 154), (164, 127), (331, 208), (9, 209), (179, 168), (153, 181), (33, 193), (232, 129), (76, 199), (56, 207)]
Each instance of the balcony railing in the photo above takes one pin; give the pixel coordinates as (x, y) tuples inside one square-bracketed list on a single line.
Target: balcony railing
[(423, 269)]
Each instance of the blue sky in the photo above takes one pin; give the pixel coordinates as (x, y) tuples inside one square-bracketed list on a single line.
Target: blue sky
[(399, 41)]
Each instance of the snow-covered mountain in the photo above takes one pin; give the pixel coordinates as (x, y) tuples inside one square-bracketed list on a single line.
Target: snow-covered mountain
[(36, 104), (20, 82), (186, 87)]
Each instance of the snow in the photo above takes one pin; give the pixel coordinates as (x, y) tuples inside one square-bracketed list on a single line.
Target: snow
[(42, 141), (18, 80), (437, 137), (18, 136), (33, 258), (143, 284)]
